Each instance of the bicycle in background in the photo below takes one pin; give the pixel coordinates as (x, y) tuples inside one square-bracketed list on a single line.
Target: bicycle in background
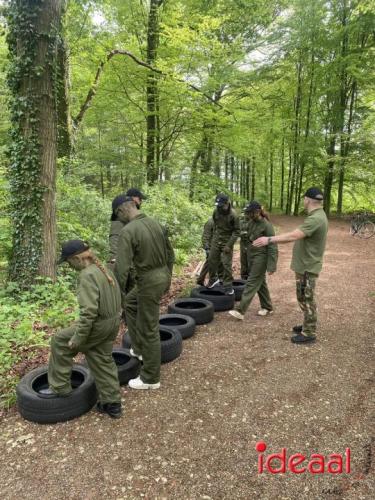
[(361, 225)]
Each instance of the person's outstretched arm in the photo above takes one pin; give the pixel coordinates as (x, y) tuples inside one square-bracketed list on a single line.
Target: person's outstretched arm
[(295, 235)]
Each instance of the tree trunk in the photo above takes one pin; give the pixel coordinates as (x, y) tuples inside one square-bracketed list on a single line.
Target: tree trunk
[(253, 177), (282, 173), (34, 33), (307, 133), (64, 126), (271, 181), (298, 102), (247, 187), (152, 92), (328, 181)]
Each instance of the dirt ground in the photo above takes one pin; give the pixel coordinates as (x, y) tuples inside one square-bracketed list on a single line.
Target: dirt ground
[(234, 385)]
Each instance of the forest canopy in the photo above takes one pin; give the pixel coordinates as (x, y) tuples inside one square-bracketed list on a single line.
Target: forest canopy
[(257, 99)]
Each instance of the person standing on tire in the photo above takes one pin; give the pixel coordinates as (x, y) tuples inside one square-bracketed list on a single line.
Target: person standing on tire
[(226, 232), (244, 244), (144, 244), (261, 261), (207, 235), (99, 302), (307, 260)]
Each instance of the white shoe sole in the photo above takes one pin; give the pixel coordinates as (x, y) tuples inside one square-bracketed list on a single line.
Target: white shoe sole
[(264, 312), (236, 315), (145, 387), (214, 284)]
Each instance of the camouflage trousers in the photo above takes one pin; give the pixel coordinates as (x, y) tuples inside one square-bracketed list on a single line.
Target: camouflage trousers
[(305, 288)]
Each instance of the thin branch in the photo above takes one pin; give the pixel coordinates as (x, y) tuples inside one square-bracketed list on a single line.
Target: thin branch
[(91, 93)]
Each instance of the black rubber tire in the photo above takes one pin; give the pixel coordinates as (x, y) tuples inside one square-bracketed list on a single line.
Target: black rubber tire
[(216, 295), (170, 343), (238, 287), (202, 311), (49, 411), (184, 324), (127, 366)]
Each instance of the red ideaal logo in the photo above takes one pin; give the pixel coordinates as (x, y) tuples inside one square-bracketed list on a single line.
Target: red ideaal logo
[(317, 464)]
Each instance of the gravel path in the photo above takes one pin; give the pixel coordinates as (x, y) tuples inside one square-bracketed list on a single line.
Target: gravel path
[(234, 385)]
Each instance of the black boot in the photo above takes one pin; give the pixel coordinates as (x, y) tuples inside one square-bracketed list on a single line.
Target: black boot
[(301, 339), (297, 329), (112, 409)]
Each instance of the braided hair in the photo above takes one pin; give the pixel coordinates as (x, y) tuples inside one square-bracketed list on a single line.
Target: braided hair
[(89, 255)]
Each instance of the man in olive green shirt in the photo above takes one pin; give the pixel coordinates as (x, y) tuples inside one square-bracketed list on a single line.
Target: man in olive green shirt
[(310, 241), (144, 245)]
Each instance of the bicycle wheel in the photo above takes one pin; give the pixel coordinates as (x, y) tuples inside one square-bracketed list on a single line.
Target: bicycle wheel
[(366, 230)]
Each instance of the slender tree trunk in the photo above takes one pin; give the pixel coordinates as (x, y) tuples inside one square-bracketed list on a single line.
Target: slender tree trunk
[(344, 148), (64, 126), (328, 181), (152, 92), (271, 181), (306, 136), (289, 195), (226, 167), (247, 187), (231, 172), (253, 177), (298, 103), (282, 173)]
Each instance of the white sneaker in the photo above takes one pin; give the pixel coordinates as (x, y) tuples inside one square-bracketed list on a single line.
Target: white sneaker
[(236, 314), (264, 312), (137, 383), (134, 355)]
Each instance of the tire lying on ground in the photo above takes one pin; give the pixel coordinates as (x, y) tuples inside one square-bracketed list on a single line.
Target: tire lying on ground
[(127, 366), (202, 311), (36, 408), (184, 324), (217, 296), (170, 343), (238, 287)]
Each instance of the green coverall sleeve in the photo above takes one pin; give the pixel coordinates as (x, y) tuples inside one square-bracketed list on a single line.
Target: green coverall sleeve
[(124, 259), (272, 250), (88, 301), (208, 232), (113, 244), (236, 232)]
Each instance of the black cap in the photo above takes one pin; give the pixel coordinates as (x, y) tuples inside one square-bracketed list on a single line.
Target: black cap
[(314, 193), (252, 206), (136, 192), (119, 200), (221, 199), (71, 248)]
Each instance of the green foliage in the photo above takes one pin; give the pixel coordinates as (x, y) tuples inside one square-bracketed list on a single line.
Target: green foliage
[(26, 320), (83, 214), (170, 204)]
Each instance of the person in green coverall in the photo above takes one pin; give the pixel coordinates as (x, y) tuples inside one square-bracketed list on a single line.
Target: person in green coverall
[(144, 244), (208, 232), (261, 260), (226, 232), (93, 334), (308, 250), (244, 244), (118, 222)]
